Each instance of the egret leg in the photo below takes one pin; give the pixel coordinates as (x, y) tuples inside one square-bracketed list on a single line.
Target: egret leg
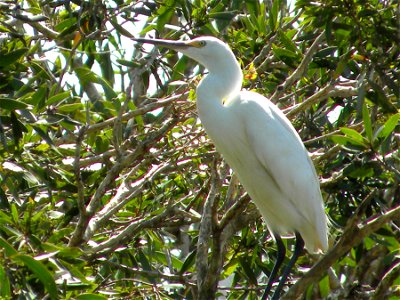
[(298, 248), (280, 256)]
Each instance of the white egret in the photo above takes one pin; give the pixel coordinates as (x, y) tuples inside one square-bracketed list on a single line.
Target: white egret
[(262, 147)]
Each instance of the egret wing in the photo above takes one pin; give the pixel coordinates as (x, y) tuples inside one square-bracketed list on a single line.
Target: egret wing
[(281, 152)]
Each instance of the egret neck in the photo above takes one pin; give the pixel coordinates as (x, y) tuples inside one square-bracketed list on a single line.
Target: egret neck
[(219, 86), (224, 80)]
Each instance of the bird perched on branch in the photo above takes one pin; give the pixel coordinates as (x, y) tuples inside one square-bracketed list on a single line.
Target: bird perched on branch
[(262, 147)]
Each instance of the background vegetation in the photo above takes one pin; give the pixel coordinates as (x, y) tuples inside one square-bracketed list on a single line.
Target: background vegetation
[(110, 189)]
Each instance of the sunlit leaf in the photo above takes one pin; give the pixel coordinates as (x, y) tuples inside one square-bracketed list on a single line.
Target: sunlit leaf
[(324, 287), (58, 98), (282, 53), (353, 134), (345, 140), (389, 126), (70, 107)]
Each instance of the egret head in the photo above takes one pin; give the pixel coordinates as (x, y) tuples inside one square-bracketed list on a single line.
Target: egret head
[(209, 51)]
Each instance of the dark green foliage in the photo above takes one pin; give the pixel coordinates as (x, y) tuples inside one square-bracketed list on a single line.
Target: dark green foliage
[(105, 169)]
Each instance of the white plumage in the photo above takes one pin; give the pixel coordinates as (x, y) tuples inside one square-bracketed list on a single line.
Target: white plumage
[(261, 145)]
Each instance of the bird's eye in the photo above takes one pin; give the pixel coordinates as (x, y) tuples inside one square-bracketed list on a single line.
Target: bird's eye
[(197, 44)]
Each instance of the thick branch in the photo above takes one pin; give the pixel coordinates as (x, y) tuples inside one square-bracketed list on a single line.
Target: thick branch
[(326, 92), (34, 22), (81, 226), (207, 281)]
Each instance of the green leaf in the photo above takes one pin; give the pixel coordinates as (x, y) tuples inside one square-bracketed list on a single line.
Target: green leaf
[(17, 127), (248, 270), (104, 59), (66, 24), (46, 137), (9, 250), (367, 122), (189, 262), (345, 140), (282, 53), (58, 97), (165, 14), (389, 126), (14, 213), (11, 57), (273, 15), (324, 287), (4, 218), (74, 270), (359, 171), (86, 76), (102, 144), (128, 63), (37, 98), (91, 297), (222, 15), (5, 287), (120, 29), (40, 271), (353, 134), (379, 96), (40, 71), (327, 51), (287, 42), (70, 107), (10, 104), (146, 265), (252, 7)]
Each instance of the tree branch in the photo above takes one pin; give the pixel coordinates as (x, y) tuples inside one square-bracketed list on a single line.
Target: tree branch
[(353, 235), (207, 281), (125, 193), (133, 228), (328, 91), (301, 69), (126, 116)]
